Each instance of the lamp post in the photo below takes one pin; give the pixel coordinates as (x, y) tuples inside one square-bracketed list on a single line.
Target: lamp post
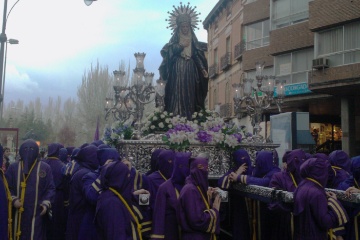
[(89, 2), (3, 40), (269, 91), (2, 93), (130, 99)]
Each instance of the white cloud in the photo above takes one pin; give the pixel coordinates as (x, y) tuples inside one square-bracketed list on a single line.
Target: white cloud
[(19, 82)]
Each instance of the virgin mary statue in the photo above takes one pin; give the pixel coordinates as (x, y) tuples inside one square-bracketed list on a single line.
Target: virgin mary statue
[(184, 66)]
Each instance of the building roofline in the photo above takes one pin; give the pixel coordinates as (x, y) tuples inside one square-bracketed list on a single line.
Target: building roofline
[(214, 13)]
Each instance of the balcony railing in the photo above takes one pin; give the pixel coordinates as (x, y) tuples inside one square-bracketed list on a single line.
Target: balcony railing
[(213, 70), (225, 61), (239, 50)]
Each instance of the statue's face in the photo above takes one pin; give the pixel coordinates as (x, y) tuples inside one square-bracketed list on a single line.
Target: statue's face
[(185, 28)]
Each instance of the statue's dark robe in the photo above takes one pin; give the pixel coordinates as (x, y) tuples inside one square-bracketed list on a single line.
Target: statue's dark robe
[(186, 87)]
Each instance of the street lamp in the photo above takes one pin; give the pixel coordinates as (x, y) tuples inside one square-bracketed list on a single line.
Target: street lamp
[(88, 2), (2, 93)]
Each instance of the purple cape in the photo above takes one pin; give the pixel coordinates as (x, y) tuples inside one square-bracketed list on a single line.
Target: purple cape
[(312, 210), (115, 175), (197, 219)]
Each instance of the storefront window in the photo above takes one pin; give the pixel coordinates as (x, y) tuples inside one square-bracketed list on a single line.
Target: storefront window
[(327, 136)]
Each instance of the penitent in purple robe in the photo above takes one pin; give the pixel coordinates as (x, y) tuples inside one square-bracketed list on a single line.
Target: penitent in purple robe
[(314, 213), (266, 165), (4, 200), (238, 206), (114, 216), (165, 164), (352, 227), (198, 220), (57, 224), (341, 164), (39, 190), (286, 180), (164, 223), (78, 205)]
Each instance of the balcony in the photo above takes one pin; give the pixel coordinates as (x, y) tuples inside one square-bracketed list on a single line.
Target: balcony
[(213, 70), (225, 61), (239, 50)]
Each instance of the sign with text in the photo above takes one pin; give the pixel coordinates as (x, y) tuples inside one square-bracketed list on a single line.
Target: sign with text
[(295, 89)]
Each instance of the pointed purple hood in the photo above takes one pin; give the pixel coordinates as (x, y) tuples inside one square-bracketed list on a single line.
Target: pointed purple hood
[(166, 162), (63, 154), (340, 159), (181, 169), (355, 168), (154, 161), (117, 175), (53, 149), (107, 153), (315, 168), (294, 160), (1, 154), (240, 157), (87, 157), (264, 163), (28, 151), (199, 173)]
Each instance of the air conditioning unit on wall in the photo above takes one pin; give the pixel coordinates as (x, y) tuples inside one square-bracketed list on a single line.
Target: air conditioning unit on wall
[(320, 63)]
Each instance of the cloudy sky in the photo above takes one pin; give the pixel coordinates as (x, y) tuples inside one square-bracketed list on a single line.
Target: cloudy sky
[(59, 40)]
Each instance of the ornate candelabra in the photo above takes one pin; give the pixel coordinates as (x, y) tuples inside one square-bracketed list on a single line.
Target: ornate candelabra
[(269, 91), (130, 99)]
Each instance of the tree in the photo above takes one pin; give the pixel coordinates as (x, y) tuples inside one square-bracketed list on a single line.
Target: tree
[(92, 93)]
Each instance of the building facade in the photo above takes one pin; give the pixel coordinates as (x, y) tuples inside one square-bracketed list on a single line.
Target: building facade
[(313, 45)]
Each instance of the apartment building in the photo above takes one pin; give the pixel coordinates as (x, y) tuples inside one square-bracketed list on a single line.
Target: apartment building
[(313, 45)]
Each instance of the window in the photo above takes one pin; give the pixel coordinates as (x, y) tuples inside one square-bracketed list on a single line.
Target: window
[(227, 92), (288, 12), (294, 67), (214, 98), (228, 47), (340, 45), (257, 35), (248, 1), (216, 56)]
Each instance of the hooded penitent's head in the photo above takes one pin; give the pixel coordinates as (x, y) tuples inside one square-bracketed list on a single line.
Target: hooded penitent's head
[(87, 157), (53, 149), (74, 153), (355, 168), (117, 175), (199, 172), (316, 169), (294, 160), (321, 155), (63, 155), (1, 154), (340, 159), (107, 153), (240, 157), (28, 151), (101, 146), (166, 162), (264, 163), (97, 143), (154, 161), (181, 169)]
